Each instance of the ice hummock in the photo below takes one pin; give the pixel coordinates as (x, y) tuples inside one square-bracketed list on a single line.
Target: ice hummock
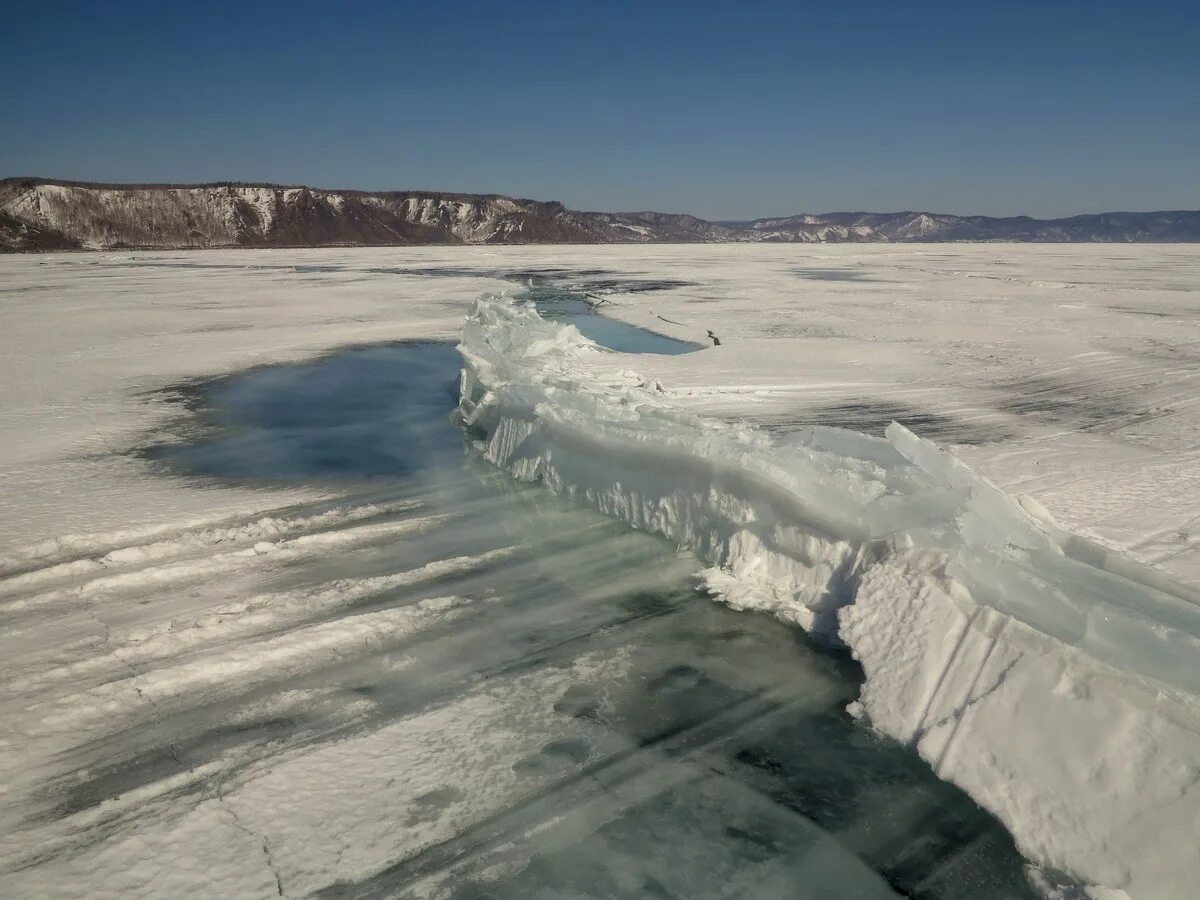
[(1056, 683)]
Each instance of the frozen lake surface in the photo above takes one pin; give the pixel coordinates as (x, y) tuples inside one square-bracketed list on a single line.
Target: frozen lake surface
[(274, 629), (678, 748)]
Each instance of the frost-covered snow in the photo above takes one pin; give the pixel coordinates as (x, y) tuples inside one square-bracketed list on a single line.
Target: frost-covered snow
[(233, 688)]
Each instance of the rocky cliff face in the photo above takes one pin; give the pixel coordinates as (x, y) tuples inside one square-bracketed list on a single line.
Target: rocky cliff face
[(56, 215), (37, 214)]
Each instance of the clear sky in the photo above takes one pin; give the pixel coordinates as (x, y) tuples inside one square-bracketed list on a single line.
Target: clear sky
[(726, 110)]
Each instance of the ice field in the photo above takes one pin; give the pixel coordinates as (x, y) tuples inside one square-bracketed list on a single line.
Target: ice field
[(275, 623)]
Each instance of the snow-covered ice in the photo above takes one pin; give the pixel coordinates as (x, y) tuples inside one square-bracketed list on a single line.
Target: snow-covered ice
[(1059, 689), (334, 682)]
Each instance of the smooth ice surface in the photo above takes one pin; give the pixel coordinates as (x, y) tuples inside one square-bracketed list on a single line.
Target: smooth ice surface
[(378, 411), (1023, 664)]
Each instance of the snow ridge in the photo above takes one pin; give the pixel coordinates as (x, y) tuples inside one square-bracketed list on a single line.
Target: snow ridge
[(1054, 683)]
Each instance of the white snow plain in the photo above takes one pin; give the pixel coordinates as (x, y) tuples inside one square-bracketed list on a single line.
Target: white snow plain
[(151, 623)]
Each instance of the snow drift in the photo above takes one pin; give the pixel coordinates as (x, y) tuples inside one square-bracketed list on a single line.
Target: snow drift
[(1055, 683)]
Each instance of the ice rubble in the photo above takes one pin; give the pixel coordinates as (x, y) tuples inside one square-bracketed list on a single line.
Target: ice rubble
[(1055, 683)]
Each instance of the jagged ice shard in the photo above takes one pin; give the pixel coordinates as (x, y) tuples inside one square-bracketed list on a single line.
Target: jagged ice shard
[(1053, 681)]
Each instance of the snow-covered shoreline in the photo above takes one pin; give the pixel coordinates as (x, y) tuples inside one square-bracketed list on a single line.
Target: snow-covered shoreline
[(1051, 683)]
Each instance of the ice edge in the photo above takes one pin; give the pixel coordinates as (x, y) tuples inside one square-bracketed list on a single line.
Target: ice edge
[(1053, 681)]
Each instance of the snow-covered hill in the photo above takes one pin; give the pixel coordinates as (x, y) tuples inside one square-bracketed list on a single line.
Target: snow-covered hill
[(1165, 226), (38, 214)]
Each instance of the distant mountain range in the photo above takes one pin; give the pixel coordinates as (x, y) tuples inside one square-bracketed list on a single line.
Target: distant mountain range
[(43, 214)]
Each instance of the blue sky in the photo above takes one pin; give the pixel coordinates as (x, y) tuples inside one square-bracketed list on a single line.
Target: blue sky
[(726, 110)]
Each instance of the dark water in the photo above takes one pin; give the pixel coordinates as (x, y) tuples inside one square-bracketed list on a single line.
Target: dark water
[(715, 760)]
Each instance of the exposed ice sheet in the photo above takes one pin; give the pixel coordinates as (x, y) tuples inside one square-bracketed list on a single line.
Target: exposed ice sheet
[(1054, 682), (521, 712)]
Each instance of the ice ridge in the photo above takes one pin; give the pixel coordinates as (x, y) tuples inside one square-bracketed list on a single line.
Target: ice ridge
[(1055, 682)]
